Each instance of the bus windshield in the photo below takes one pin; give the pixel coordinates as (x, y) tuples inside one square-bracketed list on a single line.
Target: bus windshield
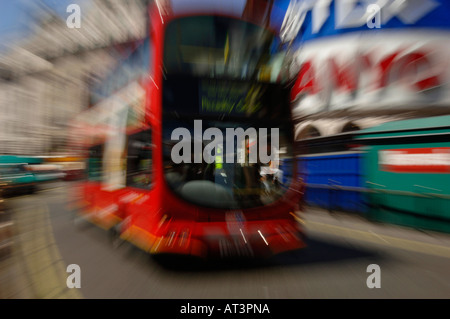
[(222, 76), (218, 46)]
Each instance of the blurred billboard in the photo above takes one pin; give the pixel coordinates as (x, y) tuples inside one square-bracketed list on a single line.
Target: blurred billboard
[(367, 57)]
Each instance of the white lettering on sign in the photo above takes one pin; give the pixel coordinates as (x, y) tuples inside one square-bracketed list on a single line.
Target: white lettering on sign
[(420, 160), (350, 13), (296, 13), (406, 159)]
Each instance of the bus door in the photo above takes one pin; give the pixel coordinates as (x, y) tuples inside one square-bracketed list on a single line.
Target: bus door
[(108, 170), (139, 200)]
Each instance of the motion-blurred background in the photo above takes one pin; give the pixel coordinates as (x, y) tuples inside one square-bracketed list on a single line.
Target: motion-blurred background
[(46, 67), (351, 77), (354, 88)]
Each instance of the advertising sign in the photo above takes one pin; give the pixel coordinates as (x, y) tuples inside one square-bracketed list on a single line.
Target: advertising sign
[(368, 55), (415, 160)]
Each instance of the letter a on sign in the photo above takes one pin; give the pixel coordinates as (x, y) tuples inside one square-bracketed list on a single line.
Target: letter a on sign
[(74, 280), (374, 280), (74, 20)]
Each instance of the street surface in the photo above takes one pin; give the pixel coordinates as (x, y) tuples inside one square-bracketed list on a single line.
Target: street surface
[(412, 263)]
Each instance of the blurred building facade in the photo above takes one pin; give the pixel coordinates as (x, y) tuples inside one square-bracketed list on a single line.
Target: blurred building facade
[(44, 77)]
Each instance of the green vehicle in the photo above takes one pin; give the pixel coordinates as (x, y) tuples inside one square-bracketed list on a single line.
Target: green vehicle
[(407, 167)]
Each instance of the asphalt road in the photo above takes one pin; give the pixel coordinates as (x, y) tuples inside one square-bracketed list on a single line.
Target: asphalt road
[(412, 264)]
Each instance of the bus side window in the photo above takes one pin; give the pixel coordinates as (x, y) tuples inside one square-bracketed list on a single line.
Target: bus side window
[(95, 163), (139, 160)]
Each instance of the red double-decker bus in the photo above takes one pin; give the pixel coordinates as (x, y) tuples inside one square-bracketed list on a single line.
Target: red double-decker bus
[(206, 66)]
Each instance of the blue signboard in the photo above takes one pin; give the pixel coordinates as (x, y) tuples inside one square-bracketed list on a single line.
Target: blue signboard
[(307, 20)]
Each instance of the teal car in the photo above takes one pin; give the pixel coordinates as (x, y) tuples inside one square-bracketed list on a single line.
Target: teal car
[(16, 179)]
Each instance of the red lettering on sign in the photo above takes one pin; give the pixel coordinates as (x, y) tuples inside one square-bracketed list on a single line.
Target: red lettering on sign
[(306, 81), (344, 76), (414, 69), (385, 67), (417, 64)]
